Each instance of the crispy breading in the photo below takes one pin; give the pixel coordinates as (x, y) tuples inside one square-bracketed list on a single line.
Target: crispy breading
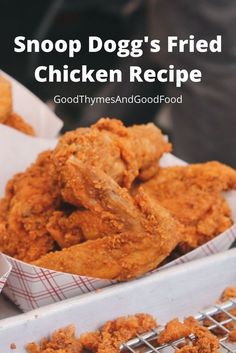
[(30, 199), (109, 338), (114, 149), (62, 341), (204, 341), (229, 292), (149, 234), (232, 335), (81, 225), (105, 340), (174, 330), (65, 229), (192, 194), (87, 172)]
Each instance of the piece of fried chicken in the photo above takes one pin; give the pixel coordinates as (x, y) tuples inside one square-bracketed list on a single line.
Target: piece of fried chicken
[(30, 199), (145, 234), (111, 148), (122, 153), (192, 194)]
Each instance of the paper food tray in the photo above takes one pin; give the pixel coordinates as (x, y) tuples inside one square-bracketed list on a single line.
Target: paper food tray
[(5, 269), (31, 287), (176, 292), (45, 123)]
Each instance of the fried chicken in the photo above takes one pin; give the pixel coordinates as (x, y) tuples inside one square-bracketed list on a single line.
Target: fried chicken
[(76, 193), (30, 199), (145, 235), (17, 122), (5, 99), (115, 150), (112, 148), (192, 194)]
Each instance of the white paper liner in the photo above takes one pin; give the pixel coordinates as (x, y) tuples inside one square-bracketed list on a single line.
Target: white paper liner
[(45, 123), (5, 269), (31, 287)]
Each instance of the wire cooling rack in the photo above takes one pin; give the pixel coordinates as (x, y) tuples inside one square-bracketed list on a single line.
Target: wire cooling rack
[(216, 318)]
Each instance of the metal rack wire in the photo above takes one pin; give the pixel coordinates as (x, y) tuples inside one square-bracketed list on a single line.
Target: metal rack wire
[(147, 342)]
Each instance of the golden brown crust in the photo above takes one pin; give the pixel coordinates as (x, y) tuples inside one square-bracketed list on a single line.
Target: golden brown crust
[(85, 172), (30, 199), (204, 341), (192, 194), (232, 335), (147, 236), (109, 338), (229, 292), (112, 148), (62, 341), (105, 340), (174, 330)]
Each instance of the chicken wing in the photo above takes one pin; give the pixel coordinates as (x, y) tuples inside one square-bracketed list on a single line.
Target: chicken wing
[(122, 153), (192, 194), (148, 237), (113, 149)]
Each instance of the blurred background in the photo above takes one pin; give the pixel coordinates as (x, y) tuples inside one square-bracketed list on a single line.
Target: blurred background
[(201, 129)]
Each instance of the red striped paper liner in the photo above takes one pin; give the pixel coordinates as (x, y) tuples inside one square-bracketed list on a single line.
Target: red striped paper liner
[(31, 287), (5, 269)]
